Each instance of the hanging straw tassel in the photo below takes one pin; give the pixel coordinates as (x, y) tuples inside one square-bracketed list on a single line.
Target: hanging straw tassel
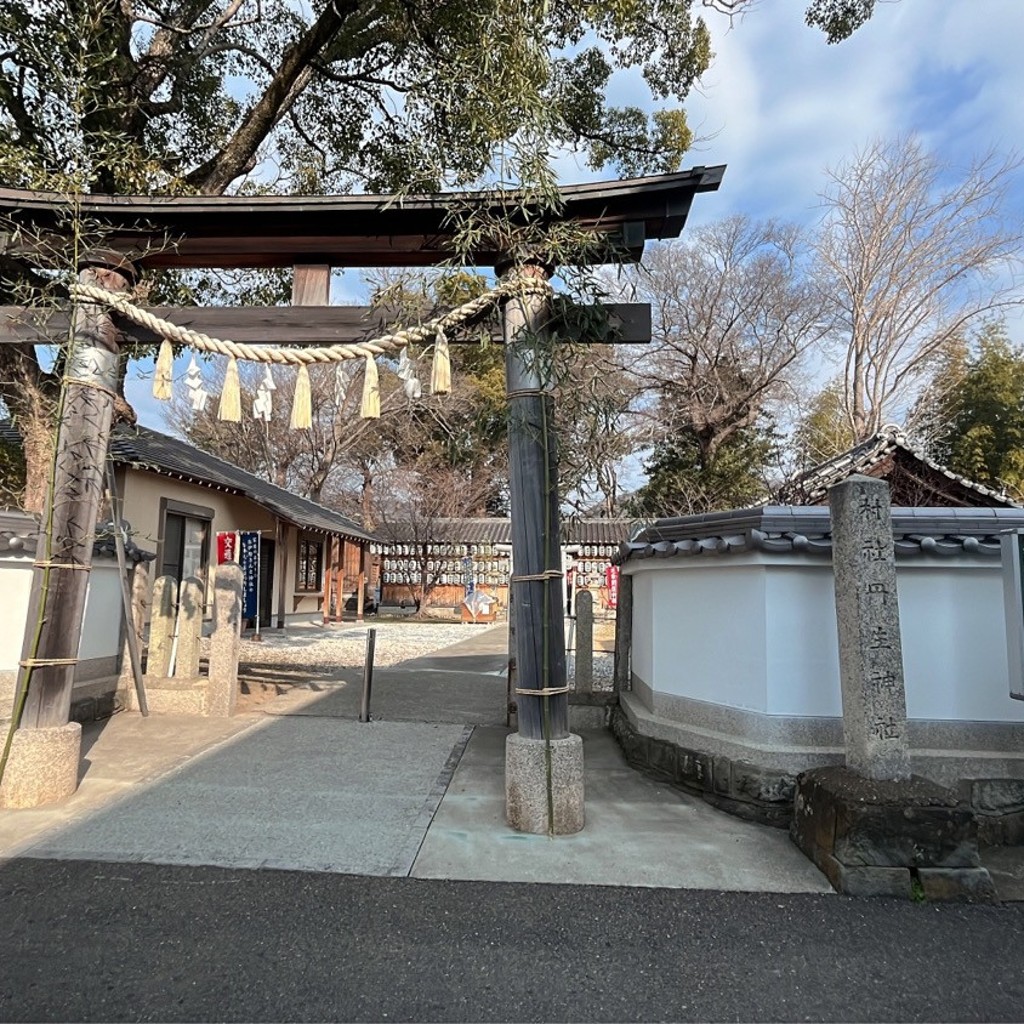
[(370, 408), (162, 379), (302, 406), (441, 370), (231, 397)]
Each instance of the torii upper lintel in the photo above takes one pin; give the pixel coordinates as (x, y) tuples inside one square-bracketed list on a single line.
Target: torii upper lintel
[(345, 231)]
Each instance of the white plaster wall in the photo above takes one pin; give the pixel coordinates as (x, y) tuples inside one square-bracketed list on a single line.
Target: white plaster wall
[(642, 654), (15, 585), (802, 649), (954, 643), (709, 641), (101, 625), (759, 633)]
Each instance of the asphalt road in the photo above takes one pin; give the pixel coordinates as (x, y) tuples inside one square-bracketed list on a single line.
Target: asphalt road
[(104, 941)]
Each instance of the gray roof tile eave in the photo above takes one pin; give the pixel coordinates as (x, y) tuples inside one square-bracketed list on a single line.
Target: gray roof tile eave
[(814, 483), (806, 529), (301, 512)]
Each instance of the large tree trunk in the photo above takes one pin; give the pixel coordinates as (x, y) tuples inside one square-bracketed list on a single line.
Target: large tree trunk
[(30, 397)]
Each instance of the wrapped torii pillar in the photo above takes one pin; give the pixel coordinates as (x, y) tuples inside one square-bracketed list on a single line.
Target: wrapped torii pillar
[(543, 761)]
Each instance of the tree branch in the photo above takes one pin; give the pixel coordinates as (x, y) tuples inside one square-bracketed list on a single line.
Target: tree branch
[(214, 176)]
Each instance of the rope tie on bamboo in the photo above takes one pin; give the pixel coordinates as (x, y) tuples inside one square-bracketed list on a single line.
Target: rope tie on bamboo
[(548, 691), (62, 565), (527, 393), (90, 384), (38, 662), (547, 574), (512, 286)]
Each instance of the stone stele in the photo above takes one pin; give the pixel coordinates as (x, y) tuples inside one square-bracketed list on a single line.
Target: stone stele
[(161, 626), (42, 767), (527, 801), (584, 677), (868, 619), (225, 642), (190, 628)]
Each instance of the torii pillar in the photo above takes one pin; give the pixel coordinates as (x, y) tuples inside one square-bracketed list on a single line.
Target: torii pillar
[(41, 764), (543, 761)]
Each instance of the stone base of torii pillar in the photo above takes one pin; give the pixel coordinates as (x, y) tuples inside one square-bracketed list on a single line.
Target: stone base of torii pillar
[(539, 801), (872, 827), (42, 767)]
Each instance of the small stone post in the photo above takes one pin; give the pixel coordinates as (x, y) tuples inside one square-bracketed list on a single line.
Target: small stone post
[(140, 606), (623, 678), (584, 677), (225, 643), (161, 627), (868, 616), (190, 628)]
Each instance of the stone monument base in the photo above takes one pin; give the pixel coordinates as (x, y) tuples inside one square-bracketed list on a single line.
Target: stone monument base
[(882, 838), (42, 767), (170, 696), (527, 805)]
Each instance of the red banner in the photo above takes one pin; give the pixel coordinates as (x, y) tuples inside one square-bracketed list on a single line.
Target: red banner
[(611, 581), (227, 547)]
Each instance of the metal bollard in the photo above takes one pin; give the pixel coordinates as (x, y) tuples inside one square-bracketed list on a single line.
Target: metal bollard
[(364, 709)]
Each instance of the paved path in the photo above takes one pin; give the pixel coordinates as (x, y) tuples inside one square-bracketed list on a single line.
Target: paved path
[(95, 941), (139, 926), (463, 684)]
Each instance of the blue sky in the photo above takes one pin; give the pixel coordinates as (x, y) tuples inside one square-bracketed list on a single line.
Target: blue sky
[(779, 105)]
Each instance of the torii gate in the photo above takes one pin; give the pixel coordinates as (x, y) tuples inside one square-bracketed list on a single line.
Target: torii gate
[(313, 234)]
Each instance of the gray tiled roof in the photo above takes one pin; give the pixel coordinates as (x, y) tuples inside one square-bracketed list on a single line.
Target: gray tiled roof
[(807, 530), (607, 532), (811, 487), (149, 449)]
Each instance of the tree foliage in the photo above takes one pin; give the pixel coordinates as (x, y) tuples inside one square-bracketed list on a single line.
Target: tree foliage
[(733, 311), (682, 481), (975, 412), (824, 430)]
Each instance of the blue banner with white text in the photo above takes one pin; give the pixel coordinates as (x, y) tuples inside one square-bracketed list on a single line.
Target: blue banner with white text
[(249, 560)]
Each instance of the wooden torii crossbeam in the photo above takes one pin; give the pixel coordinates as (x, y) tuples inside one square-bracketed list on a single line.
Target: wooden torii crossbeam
[(314, 234)]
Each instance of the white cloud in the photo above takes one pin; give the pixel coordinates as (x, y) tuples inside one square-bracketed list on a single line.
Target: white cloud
[(786, 105)]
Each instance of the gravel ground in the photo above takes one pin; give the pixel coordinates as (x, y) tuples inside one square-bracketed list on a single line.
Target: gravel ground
[(316, 646), (305, 654)]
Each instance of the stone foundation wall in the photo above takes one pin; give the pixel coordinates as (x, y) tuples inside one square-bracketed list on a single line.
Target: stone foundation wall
[(747, 790), (764, 794)]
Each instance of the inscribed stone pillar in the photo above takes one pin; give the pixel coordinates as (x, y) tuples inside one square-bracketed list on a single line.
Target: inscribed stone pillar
[(867, 612), (161, 626), (140, 606), (225, 643), (584, 678), (190, 628)]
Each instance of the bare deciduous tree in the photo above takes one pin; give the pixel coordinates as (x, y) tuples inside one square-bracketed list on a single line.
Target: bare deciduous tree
[(911, 253), (732, 314)]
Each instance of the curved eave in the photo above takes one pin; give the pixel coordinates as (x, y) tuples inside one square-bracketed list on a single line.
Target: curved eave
[(784, 530), (357, 230)]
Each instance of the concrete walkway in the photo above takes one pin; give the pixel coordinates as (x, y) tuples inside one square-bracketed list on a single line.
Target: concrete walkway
[(418, 791)]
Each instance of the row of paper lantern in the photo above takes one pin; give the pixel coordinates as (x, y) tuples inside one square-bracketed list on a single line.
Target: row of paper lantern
[(598, 551), (586, 568), (415, 565), (458, 550), (446, 578)]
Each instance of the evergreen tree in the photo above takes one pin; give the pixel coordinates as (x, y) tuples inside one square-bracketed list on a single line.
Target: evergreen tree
[(975, 414)]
